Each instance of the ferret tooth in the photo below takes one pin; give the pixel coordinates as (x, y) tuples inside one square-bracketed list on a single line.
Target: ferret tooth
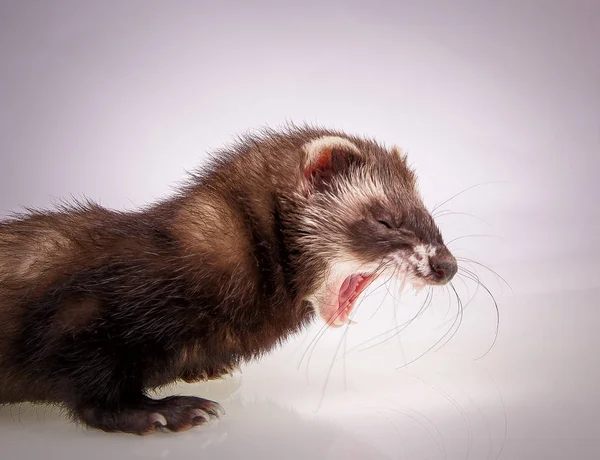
[(338, 322), (350, 321)]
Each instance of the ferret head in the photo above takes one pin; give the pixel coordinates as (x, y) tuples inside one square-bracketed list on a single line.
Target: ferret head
[(361, 215)]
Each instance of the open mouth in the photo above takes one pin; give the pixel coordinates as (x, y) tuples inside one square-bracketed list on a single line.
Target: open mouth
[(337, 312), (422, 267)]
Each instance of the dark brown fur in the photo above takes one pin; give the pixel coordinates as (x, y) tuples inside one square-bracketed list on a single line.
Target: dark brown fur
[(98, 306)]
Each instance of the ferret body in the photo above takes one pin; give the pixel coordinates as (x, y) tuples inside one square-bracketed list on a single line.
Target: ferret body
[(99, 306)]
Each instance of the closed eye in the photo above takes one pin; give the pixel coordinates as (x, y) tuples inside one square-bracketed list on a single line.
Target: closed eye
[(385, 224)]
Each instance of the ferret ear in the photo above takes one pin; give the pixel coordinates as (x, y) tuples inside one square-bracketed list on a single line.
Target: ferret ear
[(401, 153), (326, 157)]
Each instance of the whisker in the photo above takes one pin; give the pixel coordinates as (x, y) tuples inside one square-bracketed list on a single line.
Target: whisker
[(460, 313), (319, 333), (400, 437), (468, 301), (443, 213), (335, 355), (422, 425), (471, 261), (464, 191), (443, 450), (432, 346), (449, 301), (457, 406), (385, 296), (329, 371), (382, 266), (395, 314), (345, 339), (483, 235), (505, 431), (476, 279), (487, 427), (396, 330)]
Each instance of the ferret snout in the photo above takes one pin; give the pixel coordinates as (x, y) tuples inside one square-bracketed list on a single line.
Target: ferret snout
[(443, 266)]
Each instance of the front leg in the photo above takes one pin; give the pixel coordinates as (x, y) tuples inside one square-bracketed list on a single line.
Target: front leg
[(105, 388), (113, 397), (100, 367)]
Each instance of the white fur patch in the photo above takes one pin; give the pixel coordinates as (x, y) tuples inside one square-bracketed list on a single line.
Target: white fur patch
[(420, 258), (362, 187), (406, 271), (348, 197), (414, 268), (314, 148)]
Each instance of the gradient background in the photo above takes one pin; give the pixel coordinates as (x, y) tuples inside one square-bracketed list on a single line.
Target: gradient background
[(115, 99)]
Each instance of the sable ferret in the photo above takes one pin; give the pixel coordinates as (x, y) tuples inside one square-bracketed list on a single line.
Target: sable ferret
[(99, 306)]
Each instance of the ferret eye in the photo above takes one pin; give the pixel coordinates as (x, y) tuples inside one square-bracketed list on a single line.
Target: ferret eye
[(385, 223)]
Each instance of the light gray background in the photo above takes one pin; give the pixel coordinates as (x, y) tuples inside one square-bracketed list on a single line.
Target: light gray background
[(115, 99)]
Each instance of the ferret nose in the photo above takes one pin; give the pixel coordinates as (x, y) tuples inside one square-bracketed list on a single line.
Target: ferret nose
[(443, 269)]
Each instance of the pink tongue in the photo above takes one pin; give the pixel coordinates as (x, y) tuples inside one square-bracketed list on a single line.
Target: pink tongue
[(344, 307), (336, 311), (347, 289)]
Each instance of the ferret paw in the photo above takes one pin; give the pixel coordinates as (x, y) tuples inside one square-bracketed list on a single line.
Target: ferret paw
[(175, 413)]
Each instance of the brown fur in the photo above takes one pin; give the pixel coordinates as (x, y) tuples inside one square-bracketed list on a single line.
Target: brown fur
[(98, 306)]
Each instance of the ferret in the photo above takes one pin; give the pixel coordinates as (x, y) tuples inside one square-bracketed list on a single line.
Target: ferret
[(98, 307)]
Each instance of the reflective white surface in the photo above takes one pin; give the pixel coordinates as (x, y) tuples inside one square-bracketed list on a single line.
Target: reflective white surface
[(533, 396), (113, 100)]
